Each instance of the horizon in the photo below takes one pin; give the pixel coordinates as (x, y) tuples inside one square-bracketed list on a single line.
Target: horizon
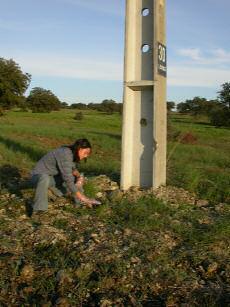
[(76, 48)]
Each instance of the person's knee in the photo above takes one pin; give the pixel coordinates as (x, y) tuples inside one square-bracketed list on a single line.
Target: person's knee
[(44, 179)]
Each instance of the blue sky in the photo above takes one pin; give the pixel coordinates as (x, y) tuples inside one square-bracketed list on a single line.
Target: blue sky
[(75, 47)]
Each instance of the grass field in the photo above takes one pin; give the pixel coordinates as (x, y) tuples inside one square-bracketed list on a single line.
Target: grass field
[(201, 166), (135, 249)]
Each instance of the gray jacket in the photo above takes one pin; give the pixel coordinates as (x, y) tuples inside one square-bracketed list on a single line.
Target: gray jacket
[(58, 162)]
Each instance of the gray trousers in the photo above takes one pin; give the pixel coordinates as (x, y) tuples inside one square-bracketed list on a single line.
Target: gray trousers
[(43, 182)]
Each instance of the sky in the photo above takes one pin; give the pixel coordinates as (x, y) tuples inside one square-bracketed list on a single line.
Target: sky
[(75, 48)]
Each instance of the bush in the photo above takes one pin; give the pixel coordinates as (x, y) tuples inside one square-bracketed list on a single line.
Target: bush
[(220, 117), (78, 116)]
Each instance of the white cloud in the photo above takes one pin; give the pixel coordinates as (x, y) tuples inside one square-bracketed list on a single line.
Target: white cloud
[(193, 53), (197, 76), (221, 55), (210, 57), (70, 67), (79, 67)]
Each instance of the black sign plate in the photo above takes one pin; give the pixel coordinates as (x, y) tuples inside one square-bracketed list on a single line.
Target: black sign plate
[(162, 60)]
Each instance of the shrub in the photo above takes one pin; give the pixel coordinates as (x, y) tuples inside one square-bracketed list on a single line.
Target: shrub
[(220, 117), (78, 116)]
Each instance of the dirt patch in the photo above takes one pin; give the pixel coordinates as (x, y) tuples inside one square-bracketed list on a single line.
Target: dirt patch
[(188, 138)]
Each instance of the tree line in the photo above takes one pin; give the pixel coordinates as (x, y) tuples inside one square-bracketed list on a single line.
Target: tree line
[(218, 110), (14, 83)]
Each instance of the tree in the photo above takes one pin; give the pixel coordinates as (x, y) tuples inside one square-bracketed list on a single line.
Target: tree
[(79, 106), (108, 106), (221, 114), (184, 107), (41, 100), (224, 94), (13, 84), (197, 106), (64, 105), (170, 105)]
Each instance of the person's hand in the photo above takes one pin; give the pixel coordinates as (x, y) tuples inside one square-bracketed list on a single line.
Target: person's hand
[(80, 181), (92, 202), (95, 202), (89, 202)]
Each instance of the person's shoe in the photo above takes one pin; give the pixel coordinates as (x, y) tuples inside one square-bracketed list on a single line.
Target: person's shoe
[(38, 216), (29, 207)]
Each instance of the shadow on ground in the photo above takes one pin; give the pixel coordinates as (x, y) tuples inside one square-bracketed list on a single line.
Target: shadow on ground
[(111, 135), (15, 146)]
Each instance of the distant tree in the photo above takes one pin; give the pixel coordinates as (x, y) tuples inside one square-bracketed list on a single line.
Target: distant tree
[(108, 106), (220, 115), (184, 107), (120, 108), (197, 106), (41, 100), (94, 106), (224, 94), (64, 105), (13, 84), (79, 106), (170, 105)]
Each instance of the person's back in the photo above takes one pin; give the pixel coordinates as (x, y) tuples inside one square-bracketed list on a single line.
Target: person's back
[(54, 162)]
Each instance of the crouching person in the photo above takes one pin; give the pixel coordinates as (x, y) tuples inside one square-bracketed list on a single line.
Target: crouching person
[(56, 171)]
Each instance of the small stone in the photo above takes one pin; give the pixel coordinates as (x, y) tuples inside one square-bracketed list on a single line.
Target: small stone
[(127, 232), (27, 273), (22, 217), (212, 268), (106, 303), (62, 302), (205, 221), (63, 277), (2, 211), (202, 203), (135, 260), (99, 195)]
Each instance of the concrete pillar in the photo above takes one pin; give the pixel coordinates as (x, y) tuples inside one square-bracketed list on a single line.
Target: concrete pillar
[(145, 111)]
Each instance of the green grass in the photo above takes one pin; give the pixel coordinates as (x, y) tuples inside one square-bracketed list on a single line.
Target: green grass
[(147, 252), (202, 167), (143, 252)]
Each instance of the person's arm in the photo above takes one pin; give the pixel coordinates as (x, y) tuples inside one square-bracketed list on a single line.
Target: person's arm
[(76, 173), (64, 161)]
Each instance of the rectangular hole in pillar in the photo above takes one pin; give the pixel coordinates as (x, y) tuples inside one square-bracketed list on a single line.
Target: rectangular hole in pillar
[(146, 139)]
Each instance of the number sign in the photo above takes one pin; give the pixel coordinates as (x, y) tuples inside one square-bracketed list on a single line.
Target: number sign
[(162, 60)]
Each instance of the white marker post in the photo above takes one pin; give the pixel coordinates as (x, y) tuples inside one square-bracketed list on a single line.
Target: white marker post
[(144, 110)]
